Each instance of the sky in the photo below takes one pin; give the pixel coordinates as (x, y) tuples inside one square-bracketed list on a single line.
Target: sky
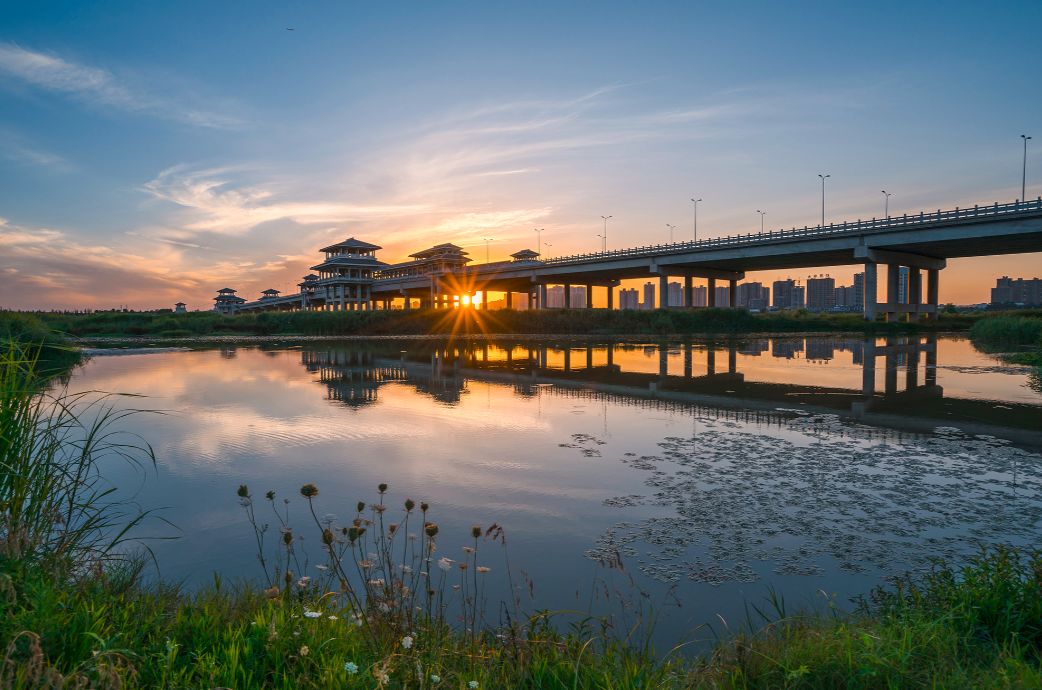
[(154, 152)]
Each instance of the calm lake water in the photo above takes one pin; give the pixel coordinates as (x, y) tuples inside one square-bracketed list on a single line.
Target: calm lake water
[(714, 470)]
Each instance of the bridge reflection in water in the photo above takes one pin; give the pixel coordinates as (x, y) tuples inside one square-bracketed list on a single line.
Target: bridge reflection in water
[(898, 384)]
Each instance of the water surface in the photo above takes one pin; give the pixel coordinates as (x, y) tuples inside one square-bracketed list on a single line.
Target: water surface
[(711, 470)]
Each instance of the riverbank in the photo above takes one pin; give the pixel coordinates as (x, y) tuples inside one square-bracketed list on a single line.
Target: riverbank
[(595, 322)]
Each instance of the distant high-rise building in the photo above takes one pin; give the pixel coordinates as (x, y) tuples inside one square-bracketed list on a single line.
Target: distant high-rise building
[(578, 297), (629, 299), (821, 293), (699, 298), (788, 294), (555, 296), (902, 285), (1017, 291), (722, 294), (859, 292), (649, 296), (754, 296), (676, 295)]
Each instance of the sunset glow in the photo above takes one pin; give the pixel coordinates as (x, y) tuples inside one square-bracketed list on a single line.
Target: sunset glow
[(151, 156)]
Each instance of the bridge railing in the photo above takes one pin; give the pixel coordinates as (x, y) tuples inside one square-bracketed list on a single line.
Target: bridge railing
[(905, 221)]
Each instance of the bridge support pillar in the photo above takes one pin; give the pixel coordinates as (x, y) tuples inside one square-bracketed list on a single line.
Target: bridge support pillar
[(484, 299), (688, 291), (893, 290), (542, 296), (732, 293), (871, 291), (611, 296), (567, 296), (915, 292), (933, 276), (711, 292), (663, 291), (510, 299), (589, 297)]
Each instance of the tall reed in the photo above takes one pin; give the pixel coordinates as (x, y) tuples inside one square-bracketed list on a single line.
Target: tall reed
[(55, 506)]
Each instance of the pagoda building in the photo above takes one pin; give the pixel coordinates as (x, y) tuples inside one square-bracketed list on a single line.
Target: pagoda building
[(439, 259), (226, 301), (180, 308), (525, 255), (345, 277), (270, 293), (307, 290)]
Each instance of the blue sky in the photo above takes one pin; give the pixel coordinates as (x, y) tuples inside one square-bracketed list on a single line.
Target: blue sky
[(151, 152)]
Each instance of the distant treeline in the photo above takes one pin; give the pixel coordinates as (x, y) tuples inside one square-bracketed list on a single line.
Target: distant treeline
[(550, 322)]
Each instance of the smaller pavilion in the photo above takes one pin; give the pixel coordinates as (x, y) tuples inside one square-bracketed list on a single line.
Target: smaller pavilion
[(180, 308), (525, 255)]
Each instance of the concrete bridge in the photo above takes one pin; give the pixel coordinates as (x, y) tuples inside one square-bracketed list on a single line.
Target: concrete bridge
[(918, 242)]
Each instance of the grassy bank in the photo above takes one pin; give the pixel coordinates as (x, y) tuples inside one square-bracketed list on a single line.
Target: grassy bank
[(1017, 337), (544, 322), (38, 335)]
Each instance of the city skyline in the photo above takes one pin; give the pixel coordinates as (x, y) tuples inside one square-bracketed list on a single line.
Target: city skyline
[(153, 155)]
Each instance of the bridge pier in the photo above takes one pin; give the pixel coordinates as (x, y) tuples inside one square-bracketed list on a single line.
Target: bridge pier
[(510, 299), (663, 291), (567, 295), (688, 299), (611, 296), (711, 292), (542, 295), (589, 296), (732, 293)]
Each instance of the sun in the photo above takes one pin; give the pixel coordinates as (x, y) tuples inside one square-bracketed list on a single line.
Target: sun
[(465, 300)]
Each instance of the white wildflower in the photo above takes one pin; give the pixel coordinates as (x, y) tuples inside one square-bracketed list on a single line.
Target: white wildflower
[(351, 668), (407, 642), (445, 563), (312, 614)]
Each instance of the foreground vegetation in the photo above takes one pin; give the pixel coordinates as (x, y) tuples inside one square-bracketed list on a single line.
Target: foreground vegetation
[(390, 610), (544, 322), (1017, 337)]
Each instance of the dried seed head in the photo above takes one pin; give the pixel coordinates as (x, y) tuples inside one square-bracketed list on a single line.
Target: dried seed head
[(424, 506), (352, 534), (243, 492), (287, 537), (431, 529), (380, 508), (327, 536), (270, 495), (409, 505), (361, 506), (382, 488), (475, 531), (309, 491), (392, 528), (289, 577)]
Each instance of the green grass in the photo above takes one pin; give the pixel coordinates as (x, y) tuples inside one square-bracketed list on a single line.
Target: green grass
[(37, 332), (1017, 338), (550, 322)]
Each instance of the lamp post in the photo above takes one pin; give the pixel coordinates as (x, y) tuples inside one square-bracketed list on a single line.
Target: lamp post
[(539, 240), (487, 240), (694, 202), (1024, 169), (604, 237), (886, 203), (671, 229), (762, 214), (823, 178)]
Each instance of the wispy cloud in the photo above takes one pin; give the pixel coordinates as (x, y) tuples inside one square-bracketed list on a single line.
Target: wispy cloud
[(19, 150), (220, 203), (102, 87)]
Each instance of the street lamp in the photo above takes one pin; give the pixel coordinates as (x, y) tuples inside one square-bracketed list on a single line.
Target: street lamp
[(823, 178), (604, 237), (762, 214), (487, 240), (886, 203), (695, 203), (671, 229), (1024, 170), (539, 240)]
